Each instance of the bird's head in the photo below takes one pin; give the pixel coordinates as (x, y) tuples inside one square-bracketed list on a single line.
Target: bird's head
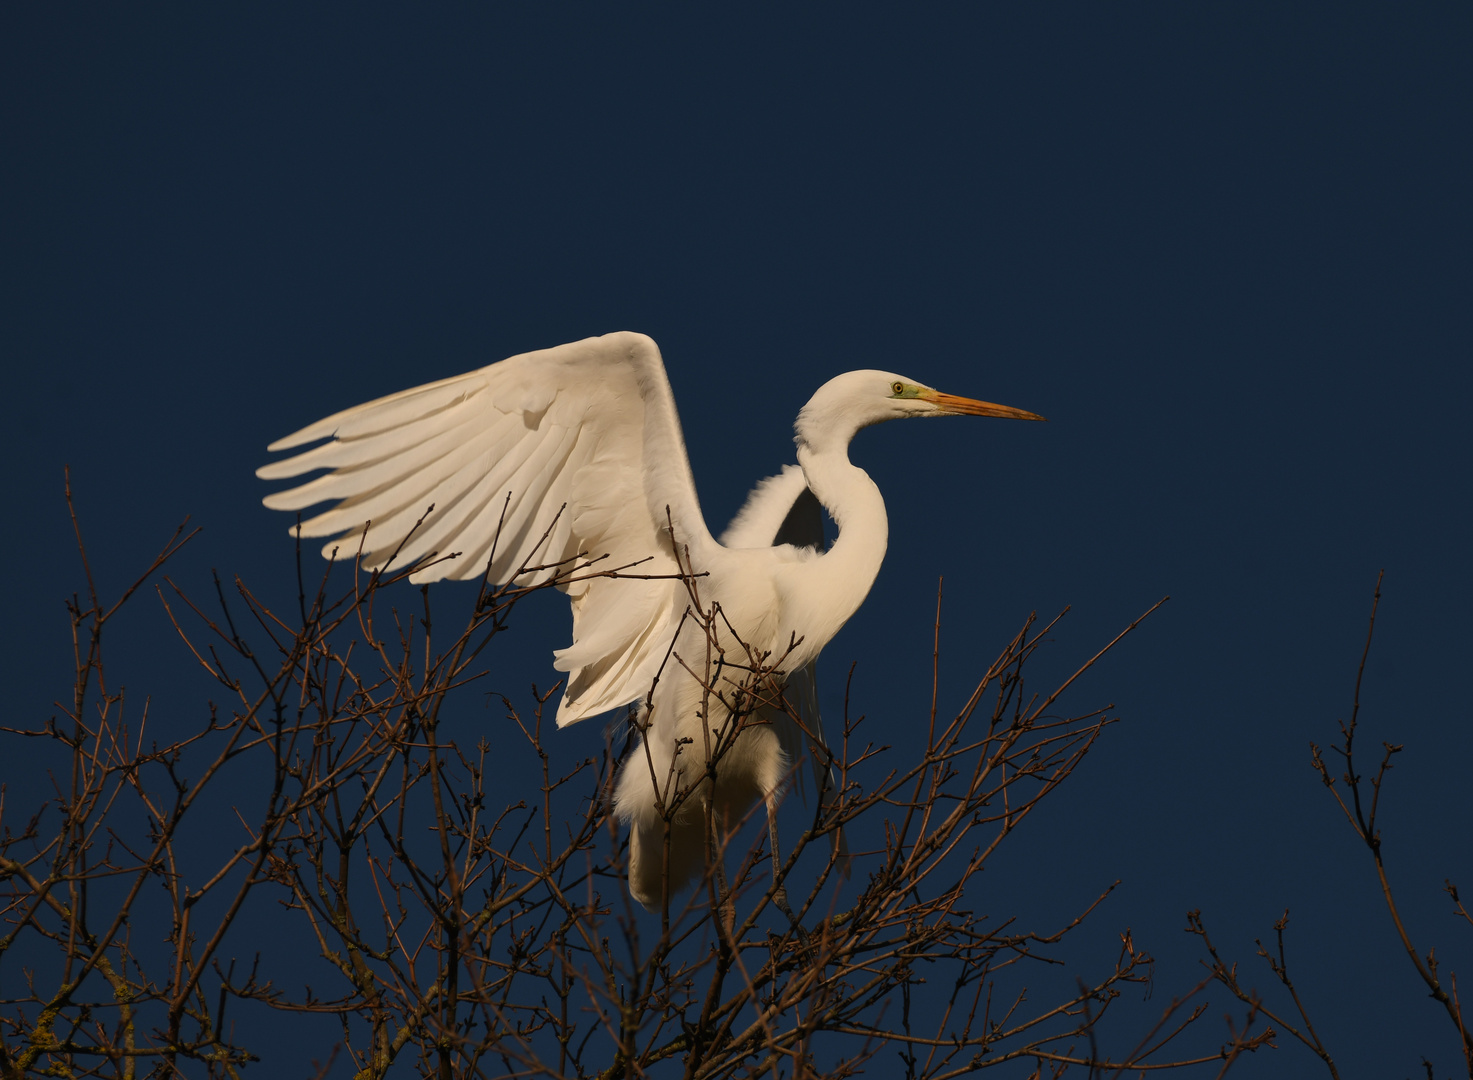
[(857, 399)]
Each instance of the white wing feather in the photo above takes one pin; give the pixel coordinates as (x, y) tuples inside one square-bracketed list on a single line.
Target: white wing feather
[(563, 453)]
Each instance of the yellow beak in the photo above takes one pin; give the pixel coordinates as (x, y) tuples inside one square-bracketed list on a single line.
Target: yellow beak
[(951, 405)]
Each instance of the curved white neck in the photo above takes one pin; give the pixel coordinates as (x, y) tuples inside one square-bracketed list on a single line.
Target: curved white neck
[(829, 589)]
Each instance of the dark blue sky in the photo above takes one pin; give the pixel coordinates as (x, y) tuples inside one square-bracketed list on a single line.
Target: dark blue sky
[(1225, 251)]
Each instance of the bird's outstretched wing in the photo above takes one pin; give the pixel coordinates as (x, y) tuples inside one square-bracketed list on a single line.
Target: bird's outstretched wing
[(783, 510), (567, 453)]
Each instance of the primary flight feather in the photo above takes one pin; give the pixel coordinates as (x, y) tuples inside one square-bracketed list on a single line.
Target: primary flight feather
[(563, 456)]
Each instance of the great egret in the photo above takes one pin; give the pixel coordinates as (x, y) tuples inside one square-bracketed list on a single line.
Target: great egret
[(576, 452)]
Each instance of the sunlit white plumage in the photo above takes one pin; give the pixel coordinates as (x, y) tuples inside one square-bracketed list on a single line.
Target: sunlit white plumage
[(586, 441)]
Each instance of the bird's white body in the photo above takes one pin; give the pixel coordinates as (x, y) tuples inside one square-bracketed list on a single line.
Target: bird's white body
[(573, 456)]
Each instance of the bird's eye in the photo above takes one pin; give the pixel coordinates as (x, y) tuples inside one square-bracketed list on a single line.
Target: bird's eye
[(898, 387)]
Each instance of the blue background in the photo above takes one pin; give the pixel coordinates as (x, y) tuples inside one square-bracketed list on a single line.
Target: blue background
[(1225, 250)]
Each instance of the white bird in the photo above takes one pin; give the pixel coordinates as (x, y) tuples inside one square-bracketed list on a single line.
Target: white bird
[(575, 453)]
